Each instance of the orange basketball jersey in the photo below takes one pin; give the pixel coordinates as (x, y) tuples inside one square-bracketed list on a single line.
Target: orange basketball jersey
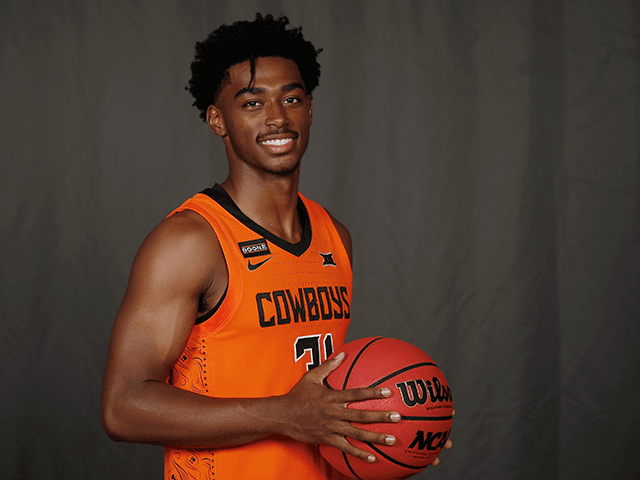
[(286, 309)]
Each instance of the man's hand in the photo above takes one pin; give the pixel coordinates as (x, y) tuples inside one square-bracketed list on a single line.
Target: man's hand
[(315, 414), (447, 446), (436, 461)]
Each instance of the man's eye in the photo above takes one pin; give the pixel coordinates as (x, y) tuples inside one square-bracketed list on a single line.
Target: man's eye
[(251, 104), (292, 100)]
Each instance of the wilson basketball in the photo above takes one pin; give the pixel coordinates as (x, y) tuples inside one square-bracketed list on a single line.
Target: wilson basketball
[(420, 393)]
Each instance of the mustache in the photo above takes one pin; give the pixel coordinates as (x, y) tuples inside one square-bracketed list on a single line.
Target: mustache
[(278, 131)]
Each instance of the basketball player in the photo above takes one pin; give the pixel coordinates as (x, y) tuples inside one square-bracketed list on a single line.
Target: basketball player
[(236, 296)]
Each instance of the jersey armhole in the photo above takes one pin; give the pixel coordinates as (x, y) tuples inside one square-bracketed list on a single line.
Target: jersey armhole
[(203, 318), (337, 232)]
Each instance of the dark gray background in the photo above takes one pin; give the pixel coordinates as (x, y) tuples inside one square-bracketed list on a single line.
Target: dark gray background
[(483, 154)]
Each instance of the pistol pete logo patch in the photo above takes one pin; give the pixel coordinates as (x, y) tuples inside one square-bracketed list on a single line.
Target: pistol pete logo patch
[(255, 248)]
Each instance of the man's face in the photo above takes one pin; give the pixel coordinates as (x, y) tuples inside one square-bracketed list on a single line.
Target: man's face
[(265, 127)]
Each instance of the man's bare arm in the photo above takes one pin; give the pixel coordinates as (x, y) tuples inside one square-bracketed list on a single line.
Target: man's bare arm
[(180, 261)]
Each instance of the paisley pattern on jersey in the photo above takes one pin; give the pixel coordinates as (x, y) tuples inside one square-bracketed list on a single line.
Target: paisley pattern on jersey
[(193, 467), (190, 371)]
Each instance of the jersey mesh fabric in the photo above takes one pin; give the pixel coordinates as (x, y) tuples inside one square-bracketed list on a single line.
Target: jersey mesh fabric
[(276, 321)]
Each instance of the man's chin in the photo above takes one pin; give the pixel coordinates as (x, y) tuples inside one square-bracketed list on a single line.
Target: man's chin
[(282, 170)]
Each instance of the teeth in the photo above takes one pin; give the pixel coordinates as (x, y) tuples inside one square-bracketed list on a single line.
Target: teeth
[(278, 142)]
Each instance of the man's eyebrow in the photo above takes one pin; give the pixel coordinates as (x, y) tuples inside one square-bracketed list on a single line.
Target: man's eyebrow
[(251, 90), (256, 90), (292, 86)]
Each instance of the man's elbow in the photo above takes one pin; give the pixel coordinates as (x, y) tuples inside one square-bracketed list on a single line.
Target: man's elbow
[(114, 421)]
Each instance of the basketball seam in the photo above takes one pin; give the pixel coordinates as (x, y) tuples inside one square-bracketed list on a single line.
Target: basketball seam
[(355, 360), (393, 460), (429, 419), (348, 463), (402, 370)]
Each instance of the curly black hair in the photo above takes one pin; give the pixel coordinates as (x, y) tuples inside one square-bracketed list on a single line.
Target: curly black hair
[(230, 45)]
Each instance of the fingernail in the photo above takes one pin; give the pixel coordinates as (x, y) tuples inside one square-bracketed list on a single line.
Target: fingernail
[(395, 417), (385, 392), (390, 440), (339, 356), (371, 459)]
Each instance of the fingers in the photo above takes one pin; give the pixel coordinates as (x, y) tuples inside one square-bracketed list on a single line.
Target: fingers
[(354, 395), (322, 371), (318, 374), (350, 432), (351, 449), (367, 436), (346, 446), (352, 410), (368, 416), (447, 445)]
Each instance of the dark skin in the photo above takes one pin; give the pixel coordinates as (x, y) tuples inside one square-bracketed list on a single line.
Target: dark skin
[(180, 266)]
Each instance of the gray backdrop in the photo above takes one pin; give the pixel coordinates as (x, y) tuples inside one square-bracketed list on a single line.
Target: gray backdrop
[(484, 155)]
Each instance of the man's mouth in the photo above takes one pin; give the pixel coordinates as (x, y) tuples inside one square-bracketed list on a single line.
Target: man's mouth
[(275, 136), (278, 142)]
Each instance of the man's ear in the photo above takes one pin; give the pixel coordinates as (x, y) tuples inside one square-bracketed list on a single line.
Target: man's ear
[(215, 121), (310, 98)]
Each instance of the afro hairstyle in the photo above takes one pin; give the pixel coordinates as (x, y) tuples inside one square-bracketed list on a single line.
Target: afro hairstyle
[(230, 45)]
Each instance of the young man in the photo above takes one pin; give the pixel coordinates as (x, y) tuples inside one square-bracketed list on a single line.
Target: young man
[(243, 290)]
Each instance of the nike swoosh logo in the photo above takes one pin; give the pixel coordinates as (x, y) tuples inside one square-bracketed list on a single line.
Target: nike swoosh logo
[(255, 266)]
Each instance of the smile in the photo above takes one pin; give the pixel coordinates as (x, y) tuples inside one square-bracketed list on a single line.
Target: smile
[(278, 142)]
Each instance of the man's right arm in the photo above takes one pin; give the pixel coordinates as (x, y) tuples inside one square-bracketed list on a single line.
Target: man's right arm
[(179, 262)]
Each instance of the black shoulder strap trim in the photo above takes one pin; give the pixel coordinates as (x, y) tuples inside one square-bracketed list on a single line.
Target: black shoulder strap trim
[(220, 196), (203, 318)]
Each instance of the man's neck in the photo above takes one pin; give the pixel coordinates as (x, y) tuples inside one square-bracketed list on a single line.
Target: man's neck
[(272, 204)]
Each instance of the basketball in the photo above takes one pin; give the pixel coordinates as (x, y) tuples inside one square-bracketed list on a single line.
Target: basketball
[(420, 393)]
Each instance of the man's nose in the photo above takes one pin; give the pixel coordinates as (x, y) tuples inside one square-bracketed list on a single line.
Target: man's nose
[(276, 115)]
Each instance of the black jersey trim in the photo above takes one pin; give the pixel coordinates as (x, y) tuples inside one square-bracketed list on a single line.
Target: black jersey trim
[(203, 318), (221, 197)]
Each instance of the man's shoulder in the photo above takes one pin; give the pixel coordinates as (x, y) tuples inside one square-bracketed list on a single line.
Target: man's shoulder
[(183, 234), (184, 225)]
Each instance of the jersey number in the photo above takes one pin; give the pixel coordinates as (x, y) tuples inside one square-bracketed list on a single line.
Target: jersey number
[(311, 343)]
